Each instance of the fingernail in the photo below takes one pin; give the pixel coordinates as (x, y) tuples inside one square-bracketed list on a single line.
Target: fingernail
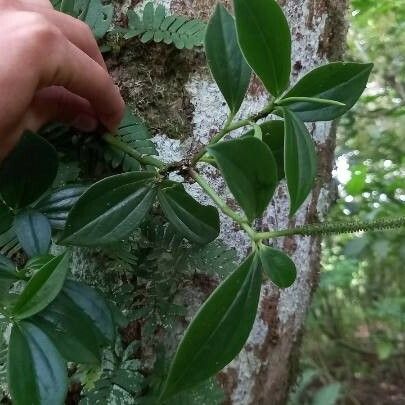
[(85, 123)]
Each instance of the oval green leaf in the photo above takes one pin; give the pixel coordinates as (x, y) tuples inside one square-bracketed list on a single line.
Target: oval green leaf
[(94, 306), (37, 262), (37, 374), (196, 222), (33, 231), (250, 171), (278, 266), (70, 329), (28, 171), (57, 204), (43, 287), (339, 81), (218, 331), (265, 40), (110, 210), (273, 137), (225, 59), (299, 160)]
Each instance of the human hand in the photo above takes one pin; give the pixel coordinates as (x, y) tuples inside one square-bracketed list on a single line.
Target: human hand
[(50, 69)]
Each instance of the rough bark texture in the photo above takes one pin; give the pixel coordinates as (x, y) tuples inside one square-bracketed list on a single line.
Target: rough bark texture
[(178, 95)]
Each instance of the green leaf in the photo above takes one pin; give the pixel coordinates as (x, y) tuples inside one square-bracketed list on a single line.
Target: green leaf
[(57, 205), (37, 374), (225, 59), (6, 218), (198, 223), (28, 171), (70, 329), (219, 330), (299, 160), (93, 305), (265, 40), (110, 209), (33, 231), (355, 186), (278, 266), (7, 269), (36, 263), (153, 24), (43, 288), (339, 81), (95, 14), (273, 137), (249, 169)]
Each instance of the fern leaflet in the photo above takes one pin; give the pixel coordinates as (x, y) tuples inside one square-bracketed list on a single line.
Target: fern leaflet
[(133, 132), (155, 25)]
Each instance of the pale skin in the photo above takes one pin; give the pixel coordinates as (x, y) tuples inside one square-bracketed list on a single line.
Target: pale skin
[(50, 69)]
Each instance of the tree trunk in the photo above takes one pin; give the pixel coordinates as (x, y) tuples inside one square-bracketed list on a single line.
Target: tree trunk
[(182, 102)]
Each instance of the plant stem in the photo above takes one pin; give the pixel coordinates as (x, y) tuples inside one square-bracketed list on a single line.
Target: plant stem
[(217, 199), (215, 139), (229, 127), (145, 160), (290, 100), (328, 228)]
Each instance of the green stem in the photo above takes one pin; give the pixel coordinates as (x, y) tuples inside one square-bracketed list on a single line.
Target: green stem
[(215, 139), (221, 204), (290, 100), (229, 127), (143, 159), (328, 228)]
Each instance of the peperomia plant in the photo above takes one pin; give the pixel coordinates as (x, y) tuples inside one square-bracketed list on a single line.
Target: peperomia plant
[(54, 319)]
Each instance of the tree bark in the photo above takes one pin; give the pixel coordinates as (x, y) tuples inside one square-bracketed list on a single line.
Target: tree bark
[(267, 367)]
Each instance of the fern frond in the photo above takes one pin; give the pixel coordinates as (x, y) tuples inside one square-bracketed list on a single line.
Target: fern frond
[(94, 13), (9, 244), (155, 25), (133, 132)]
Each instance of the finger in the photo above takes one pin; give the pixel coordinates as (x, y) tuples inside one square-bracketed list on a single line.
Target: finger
[(36, 3), (52, 104), (76, 31), (58, 104), (70, 67)]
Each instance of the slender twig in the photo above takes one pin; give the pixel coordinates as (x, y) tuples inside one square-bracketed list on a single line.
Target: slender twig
[(229, 127), (335, 228), (220, 203)]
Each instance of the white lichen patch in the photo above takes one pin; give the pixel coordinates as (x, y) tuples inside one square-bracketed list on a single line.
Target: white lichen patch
[(170, 150)]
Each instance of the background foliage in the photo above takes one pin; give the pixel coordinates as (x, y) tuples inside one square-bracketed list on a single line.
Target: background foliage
[(354, 349)]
